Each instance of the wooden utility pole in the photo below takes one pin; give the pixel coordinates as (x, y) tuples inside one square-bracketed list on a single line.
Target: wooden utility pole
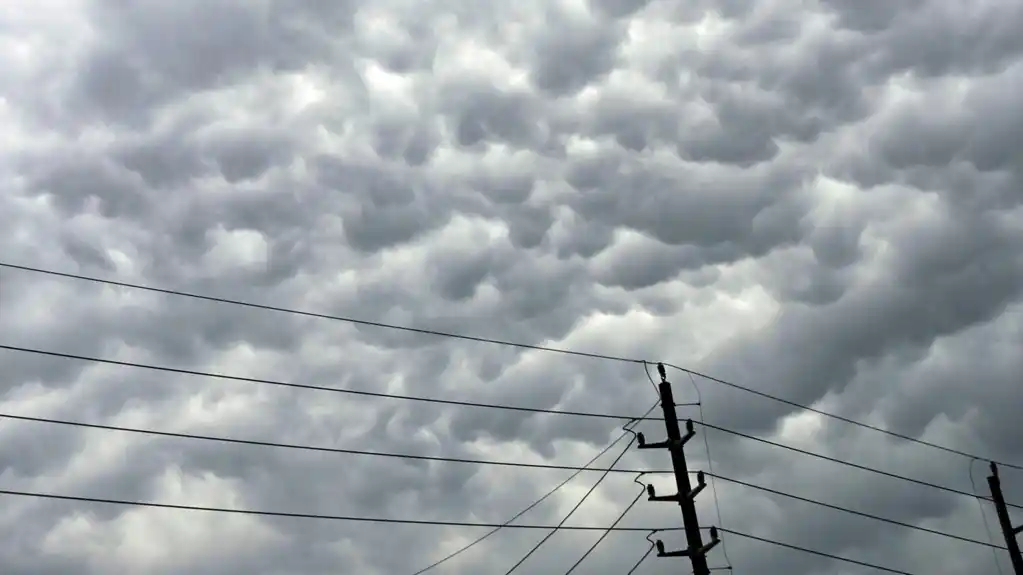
[(696, 551), (1008, 530)]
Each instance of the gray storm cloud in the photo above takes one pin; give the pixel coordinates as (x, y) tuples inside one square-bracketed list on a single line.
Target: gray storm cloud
[(820, 200)]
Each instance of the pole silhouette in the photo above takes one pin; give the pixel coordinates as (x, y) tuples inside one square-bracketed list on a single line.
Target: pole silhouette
[(695, 550), (1005, 521)]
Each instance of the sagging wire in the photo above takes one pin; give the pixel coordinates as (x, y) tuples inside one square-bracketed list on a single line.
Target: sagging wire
[(626, 431), (645, 555), (627, 427), (710, 467), (646, 368), (613, 524)]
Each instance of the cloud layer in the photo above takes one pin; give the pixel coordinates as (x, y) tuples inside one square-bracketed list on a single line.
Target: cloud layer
[(820, 200)]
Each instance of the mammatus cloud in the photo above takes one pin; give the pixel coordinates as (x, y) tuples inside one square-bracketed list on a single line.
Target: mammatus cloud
[(818, 200)]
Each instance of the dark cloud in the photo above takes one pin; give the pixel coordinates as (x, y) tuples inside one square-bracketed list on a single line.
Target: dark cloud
[(819, 202), (148, 55), (573, 51)]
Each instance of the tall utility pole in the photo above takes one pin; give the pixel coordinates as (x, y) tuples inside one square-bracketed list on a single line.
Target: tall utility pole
[(696, 551), (1008, 530)]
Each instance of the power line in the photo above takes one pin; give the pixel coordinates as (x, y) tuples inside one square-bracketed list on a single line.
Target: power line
[(645, 555), (526, 509), (494, 342), (419, 457), (197, 373), (435, 458), (839, 417), (319, 449), (849, 463), (710, 467), (854, 512), (605, 534), (347, 518), (657, 392), (553, 529), (577, 470), (471, 404), (345, 319), (812, 552), (577, 505)]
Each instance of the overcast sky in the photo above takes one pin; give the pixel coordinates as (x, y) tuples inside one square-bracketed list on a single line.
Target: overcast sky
[(820, 200)]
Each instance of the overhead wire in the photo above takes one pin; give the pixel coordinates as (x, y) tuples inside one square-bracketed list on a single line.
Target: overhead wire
[(579, 503), (450, 459), (850, 463), (614, 524), (836, 416), (496, 527), (577, 469), (854, 512), (813, 552), (425, 522), (291, 311), (645, 555), (344, 518), (212, 375), (710, 467), (520, 345), (646, 368), (218, 439), (527, 508), (254, 380), (463, 460)]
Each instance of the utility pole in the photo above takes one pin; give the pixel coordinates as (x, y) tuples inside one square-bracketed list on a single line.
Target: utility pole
[(1008, 530), (696, 551)]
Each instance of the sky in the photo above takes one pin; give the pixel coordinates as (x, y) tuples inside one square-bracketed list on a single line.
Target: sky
[(819, 200)]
